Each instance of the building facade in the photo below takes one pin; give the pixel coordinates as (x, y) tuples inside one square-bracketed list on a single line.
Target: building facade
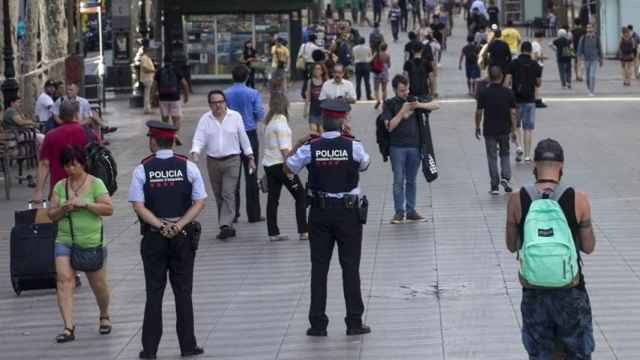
[(613, 15)]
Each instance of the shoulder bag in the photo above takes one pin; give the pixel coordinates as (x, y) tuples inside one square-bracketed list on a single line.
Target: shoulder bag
[(89, 259)]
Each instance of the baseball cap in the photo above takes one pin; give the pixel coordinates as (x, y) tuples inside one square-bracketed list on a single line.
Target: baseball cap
[(50, 82), (548, 150)]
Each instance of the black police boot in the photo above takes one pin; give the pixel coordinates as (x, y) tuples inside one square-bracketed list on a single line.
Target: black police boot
[(194, 352), (359, 330), (316, 332)]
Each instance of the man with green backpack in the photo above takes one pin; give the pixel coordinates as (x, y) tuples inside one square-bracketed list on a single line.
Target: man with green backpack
[(548, 225)]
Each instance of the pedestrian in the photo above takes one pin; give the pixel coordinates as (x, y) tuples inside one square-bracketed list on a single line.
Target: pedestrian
[(250, 58), (401, 120), (411, 46), (416, 13), (248, 103), (576, 35), (469, 54), (512, 37), (362, 57), (418, 70), (306, 53), (438, 29), (424, 30), (376, 38), (355, 8), (404, 14), (538, 55), (147, 72), (78, 204), (337, 213), (395, 16), (340, 5), (222, 134), (556, 310), (564, 54), (496, 120), (167, 193), (499, 52), (436, 50), (590, 52), (280, 59), (636, 38), (338, 87), (328, 12), (171, 86), (494, 13), (627, 53), (476, 22), (378, 5), (429, 9), (44, 106), (380, 66), (312, 100), (363, 13), (68, 133), (525, 76), (278, 144)]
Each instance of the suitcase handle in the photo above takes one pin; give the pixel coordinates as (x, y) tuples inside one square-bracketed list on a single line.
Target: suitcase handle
[(32, 202)]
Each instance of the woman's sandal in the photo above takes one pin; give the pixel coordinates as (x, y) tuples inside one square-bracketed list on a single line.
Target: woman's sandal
[(104, 329), (66, 335)]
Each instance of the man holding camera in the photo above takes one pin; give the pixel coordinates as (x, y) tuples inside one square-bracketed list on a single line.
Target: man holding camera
[(401, 119), (167, 193)]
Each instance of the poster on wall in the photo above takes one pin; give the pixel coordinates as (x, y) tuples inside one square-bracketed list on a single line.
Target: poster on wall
[(121, 48)]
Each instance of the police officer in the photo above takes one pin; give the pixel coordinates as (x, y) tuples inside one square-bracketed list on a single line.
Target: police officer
[(167, 193), (334, 162)]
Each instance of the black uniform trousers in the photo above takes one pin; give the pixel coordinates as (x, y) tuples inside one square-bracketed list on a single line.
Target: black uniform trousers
[(327, 227), (176, 256), (363, 72), (251, 182)]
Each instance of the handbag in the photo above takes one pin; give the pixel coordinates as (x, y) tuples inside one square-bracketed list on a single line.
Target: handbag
[(84, 259), (429, 167), (263, 184)]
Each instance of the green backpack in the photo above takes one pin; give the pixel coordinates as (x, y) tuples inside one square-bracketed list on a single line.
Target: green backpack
[(548, 255)]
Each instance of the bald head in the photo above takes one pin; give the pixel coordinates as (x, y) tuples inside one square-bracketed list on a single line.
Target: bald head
[(495, 74), (68, 111)]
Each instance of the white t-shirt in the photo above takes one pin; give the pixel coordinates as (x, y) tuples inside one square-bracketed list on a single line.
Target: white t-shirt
[(306, 51), (277, 136), (44, 107), (84, 108), (537, 52), (332, 90)]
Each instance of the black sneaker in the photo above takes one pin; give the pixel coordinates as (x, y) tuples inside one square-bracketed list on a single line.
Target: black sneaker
[(360, 330), (144, 355), (414, 216), (494, 191), (194, 352), (316, 332), (226, 232), (506, 184)]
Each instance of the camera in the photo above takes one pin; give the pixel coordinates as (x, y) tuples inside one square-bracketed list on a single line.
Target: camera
[(412, 98)]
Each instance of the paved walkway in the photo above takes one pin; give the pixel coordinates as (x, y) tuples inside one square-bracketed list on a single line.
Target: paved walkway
[(445, 289)]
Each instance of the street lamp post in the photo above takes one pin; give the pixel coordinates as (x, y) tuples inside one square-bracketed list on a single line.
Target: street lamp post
[(10, 85), (136, 99)]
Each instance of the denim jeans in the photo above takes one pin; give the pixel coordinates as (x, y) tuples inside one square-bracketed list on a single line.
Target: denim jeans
[(564, 68), (405, 162), (491, 144), (590, 68), (527, 115)]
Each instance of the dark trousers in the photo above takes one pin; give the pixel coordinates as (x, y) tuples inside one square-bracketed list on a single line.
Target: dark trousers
[(564, 68), (377, 14), (251, 81), (276, 178), (363, 70), (327, 227), (404, 18), (308, 72), (176, 256), (251, 182), (395, 28)]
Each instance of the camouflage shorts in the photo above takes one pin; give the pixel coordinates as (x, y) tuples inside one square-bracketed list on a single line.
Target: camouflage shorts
[(557, 317)]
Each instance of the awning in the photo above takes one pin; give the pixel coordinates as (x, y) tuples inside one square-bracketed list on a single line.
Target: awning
[(238, 6)]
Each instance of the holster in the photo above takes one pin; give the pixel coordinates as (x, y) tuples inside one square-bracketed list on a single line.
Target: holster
[(363, 210), (193, 230)]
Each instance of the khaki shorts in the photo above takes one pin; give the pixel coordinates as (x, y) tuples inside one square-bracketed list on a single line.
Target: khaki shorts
[(171, 108)]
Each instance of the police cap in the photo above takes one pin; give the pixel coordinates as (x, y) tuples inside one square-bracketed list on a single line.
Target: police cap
[(161, 130), (335, 108)]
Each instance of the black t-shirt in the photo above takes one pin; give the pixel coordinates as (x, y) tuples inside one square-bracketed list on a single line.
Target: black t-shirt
[(406, 133), (412, 47), (497, 102), (493, 12), (577, 34), (418, 70), (437, 29), (562, 49), (499, 53), (524, 72), (470, 52)]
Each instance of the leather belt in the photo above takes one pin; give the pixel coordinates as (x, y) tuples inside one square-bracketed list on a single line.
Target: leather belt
[(347, 202), (223, 158)]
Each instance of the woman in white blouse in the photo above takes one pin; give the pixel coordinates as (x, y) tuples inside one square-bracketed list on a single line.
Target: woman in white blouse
[(277, 138)]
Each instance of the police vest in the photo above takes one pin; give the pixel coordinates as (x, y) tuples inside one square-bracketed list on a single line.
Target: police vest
[(167, 190), (332, 168)]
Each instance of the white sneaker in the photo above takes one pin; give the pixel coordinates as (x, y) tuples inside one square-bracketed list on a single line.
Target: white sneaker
[(591, 94), (519, 154), (527, 159)]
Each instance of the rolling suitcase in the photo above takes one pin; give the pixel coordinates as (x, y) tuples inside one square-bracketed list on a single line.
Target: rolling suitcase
[(33, 250)]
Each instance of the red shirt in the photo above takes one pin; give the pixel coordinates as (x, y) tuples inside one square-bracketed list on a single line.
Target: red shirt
[(55, 142)]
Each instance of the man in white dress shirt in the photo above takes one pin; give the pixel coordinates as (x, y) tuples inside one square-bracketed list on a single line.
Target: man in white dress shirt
[(338, 88), (221, 132)]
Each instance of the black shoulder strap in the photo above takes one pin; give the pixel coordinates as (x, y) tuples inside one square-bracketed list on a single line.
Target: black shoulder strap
[(66, 195)]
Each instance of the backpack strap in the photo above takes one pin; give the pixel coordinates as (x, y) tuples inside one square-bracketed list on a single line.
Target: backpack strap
[(555, 194)]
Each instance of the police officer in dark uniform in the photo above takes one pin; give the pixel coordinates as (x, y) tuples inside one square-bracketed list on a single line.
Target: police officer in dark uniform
[(167, 193), (337, 213)]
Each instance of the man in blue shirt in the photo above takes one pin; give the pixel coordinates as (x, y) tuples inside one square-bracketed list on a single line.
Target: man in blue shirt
[(248, 103)]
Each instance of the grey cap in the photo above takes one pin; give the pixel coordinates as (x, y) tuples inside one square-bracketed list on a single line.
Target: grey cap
[(549, 150)]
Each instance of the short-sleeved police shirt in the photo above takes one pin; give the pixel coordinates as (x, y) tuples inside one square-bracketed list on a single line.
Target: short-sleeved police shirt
[(497, 102)]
